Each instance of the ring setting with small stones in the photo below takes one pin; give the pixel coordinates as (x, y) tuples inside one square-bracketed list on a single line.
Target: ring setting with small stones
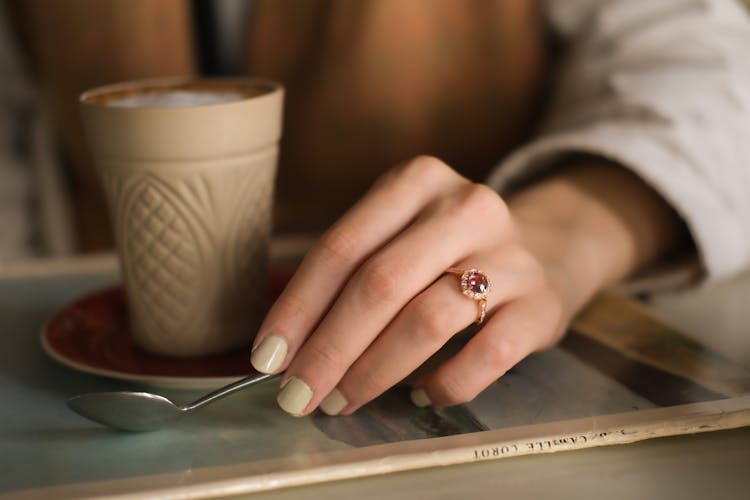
[(475, 284)]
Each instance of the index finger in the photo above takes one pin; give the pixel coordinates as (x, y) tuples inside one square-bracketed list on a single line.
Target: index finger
[(381, 214)]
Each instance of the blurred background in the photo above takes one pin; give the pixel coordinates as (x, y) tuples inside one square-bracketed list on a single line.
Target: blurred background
[(369, 84)]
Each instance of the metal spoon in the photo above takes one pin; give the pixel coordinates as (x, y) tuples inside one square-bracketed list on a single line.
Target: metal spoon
[(143, 411)]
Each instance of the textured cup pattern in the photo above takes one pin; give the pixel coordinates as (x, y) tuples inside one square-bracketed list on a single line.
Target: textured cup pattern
[(162, 256), (193, 245)]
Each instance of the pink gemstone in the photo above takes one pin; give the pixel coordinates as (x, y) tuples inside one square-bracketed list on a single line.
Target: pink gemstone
[(477, 282)]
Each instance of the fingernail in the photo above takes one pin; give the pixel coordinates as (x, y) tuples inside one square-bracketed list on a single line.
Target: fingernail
[(294, 396), (420, 398), (333, 403), (268, 356)]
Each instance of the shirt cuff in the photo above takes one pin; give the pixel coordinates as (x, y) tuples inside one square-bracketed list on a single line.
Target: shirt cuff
[(636, 149)]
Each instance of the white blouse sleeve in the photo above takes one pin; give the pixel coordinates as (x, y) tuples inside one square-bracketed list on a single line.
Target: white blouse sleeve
[(15, 176), (663, 89), (34, 210)]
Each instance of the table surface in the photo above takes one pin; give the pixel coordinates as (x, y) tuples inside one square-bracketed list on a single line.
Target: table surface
[(715, 464)]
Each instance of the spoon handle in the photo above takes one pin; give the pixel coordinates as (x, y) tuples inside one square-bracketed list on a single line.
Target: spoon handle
[(229, 389)]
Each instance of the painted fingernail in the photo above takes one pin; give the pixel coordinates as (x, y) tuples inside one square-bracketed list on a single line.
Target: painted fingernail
[(420, 398), (294, 396), (268, 356), (333, 403)]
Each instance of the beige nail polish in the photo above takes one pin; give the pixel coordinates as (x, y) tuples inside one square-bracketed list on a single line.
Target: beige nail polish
[(333, 403), (268, 356), (294, 396), (420, 398)]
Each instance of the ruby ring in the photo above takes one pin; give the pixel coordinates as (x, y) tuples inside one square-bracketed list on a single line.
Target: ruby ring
[(476, 286)]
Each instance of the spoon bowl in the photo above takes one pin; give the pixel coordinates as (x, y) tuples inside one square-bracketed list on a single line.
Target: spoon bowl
[(144, 411)]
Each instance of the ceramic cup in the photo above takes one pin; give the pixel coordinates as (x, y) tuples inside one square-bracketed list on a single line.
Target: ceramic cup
[(188, 168)]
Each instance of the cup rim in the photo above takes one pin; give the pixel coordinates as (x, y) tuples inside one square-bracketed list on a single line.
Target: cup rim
[(250, 87)]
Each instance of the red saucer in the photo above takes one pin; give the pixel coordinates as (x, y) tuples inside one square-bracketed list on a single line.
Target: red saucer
[(92, 335)]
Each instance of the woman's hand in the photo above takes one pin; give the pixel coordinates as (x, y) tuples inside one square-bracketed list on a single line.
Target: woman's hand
[(372, 300)]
